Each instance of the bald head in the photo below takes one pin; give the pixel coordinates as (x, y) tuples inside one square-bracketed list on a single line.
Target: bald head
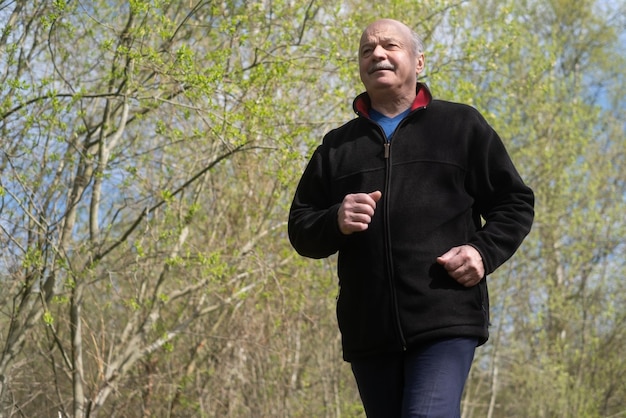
[(416, 41)]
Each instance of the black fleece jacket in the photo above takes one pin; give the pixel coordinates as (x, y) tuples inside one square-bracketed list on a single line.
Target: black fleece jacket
[(446, 180)]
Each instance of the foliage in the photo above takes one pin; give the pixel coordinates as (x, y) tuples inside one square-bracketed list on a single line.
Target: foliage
[(149, 153)]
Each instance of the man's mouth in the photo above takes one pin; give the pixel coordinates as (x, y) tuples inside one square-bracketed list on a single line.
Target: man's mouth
[(380, 67)]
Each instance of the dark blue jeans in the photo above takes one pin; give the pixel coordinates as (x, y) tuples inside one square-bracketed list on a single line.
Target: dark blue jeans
[(425, 382)]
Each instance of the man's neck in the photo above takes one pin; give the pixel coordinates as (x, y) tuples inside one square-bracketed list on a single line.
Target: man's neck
[(389, 106)]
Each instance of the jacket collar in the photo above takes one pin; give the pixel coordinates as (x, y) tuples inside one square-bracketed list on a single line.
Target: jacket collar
[(362, 104)]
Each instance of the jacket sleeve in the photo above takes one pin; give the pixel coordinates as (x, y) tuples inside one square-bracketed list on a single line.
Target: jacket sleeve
[(502, 198), (313, 228)]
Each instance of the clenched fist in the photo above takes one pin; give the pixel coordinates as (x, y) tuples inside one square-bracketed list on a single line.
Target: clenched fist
[(464, 264), (356, 211)]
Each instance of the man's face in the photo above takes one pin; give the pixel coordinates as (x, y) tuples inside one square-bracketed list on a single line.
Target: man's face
[(387, 60)]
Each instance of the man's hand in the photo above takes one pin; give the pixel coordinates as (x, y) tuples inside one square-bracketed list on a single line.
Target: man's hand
[(356, 211), (464, 264)]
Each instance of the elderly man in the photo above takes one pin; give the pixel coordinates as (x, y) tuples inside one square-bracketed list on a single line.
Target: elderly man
[(421, 201)]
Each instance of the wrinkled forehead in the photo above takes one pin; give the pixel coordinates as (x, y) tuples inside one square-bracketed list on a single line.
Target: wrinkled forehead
[(385, 30)]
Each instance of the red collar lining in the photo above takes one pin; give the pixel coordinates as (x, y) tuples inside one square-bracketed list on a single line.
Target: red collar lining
[(363, 103)]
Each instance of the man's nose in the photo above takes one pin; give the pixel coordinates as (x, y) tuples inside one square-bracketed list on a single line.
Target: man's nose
[(379, 52)]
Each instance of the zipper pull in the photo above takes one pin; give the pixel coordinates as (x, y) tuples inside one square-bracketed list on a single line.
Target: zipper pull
[(387, 146)]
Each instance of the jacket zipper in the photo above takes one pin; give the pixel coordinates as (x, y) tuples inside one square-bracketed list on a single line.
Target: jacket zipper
[(386, 231), (387, 244)]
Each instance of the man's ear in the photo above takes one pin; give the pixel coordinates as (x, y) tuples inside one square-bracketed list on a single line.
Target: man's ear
[(419, 64)]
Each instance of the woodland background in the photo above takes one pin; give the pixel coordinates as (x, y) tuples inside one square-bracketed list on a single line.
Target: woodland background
[(149, 150)]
